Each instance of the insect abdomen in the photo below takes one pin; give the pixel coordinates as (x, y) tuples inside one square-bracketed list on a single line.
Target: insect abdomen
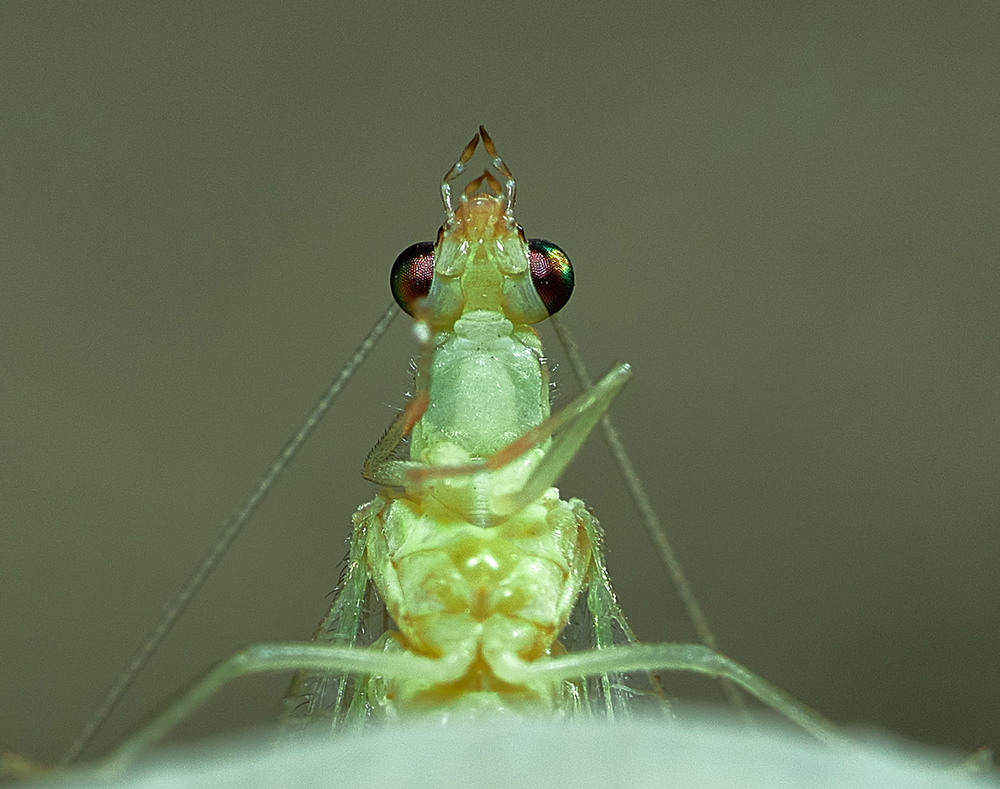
[(469, 594)]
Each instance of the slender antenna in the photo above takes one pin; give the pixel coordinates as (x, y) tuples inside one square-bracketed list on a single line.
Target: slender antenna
[(230, 532), (649, 517)]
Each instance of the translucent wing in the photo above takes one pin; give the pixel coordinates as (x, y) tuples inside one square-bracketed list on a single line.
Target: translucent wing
[(597, 623), (356, 618)]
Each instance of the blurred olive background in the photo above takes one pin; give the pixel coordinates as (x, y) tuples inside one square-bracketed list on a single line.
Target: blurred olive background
[(785, 217)]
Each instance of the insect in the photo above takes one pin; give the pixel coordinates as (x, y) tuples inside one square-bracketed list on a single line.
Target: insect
[(479, 563)]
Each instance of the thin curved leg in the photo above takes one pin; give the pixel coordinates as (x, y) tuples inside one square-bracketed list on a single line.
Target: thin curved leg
[(670, 657)]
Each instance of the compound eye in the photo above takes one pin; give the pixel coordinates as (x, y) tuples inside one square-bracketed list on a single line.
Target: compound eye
[(411, 276), (551, 273)]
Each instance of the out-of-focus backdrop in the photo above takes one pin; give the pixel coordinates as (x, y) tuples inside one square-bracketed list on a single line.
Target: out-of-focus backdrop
[(784, 217)]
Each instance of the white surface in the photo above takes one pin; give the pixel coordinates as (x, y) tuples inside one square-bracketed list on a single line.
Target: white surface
[(702, 754)]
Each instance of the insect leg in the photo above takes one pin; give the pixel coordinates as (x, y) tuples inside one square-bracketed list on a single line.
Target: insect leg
[(278, 657), (232, 529), (569, 428), (670, 657), (651, 521)]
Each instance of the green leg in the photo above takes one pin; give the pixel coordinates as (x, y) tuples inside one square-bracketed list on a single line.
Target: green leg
[(568, 429), (671, 657), (264, 658)]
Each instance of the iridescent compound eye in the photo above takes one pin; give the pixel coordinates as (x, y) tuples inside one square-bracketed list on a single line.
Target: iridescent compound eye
[(411, 275), (551, 273)]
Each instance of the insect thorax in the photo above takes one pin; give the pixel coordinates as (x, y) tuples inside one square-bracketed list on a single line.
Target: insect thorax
[(488, 386)]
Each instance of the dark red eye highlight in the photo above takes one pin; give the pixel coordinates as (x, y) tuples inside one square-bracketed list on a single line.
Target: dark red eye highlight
[(551, 273), (412, 274)]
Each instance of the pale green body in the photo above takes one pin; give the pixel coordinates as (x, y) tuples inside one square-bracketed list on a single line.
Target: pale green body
[(469, 579), (477, 598), (476, 558), (487, 387)]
